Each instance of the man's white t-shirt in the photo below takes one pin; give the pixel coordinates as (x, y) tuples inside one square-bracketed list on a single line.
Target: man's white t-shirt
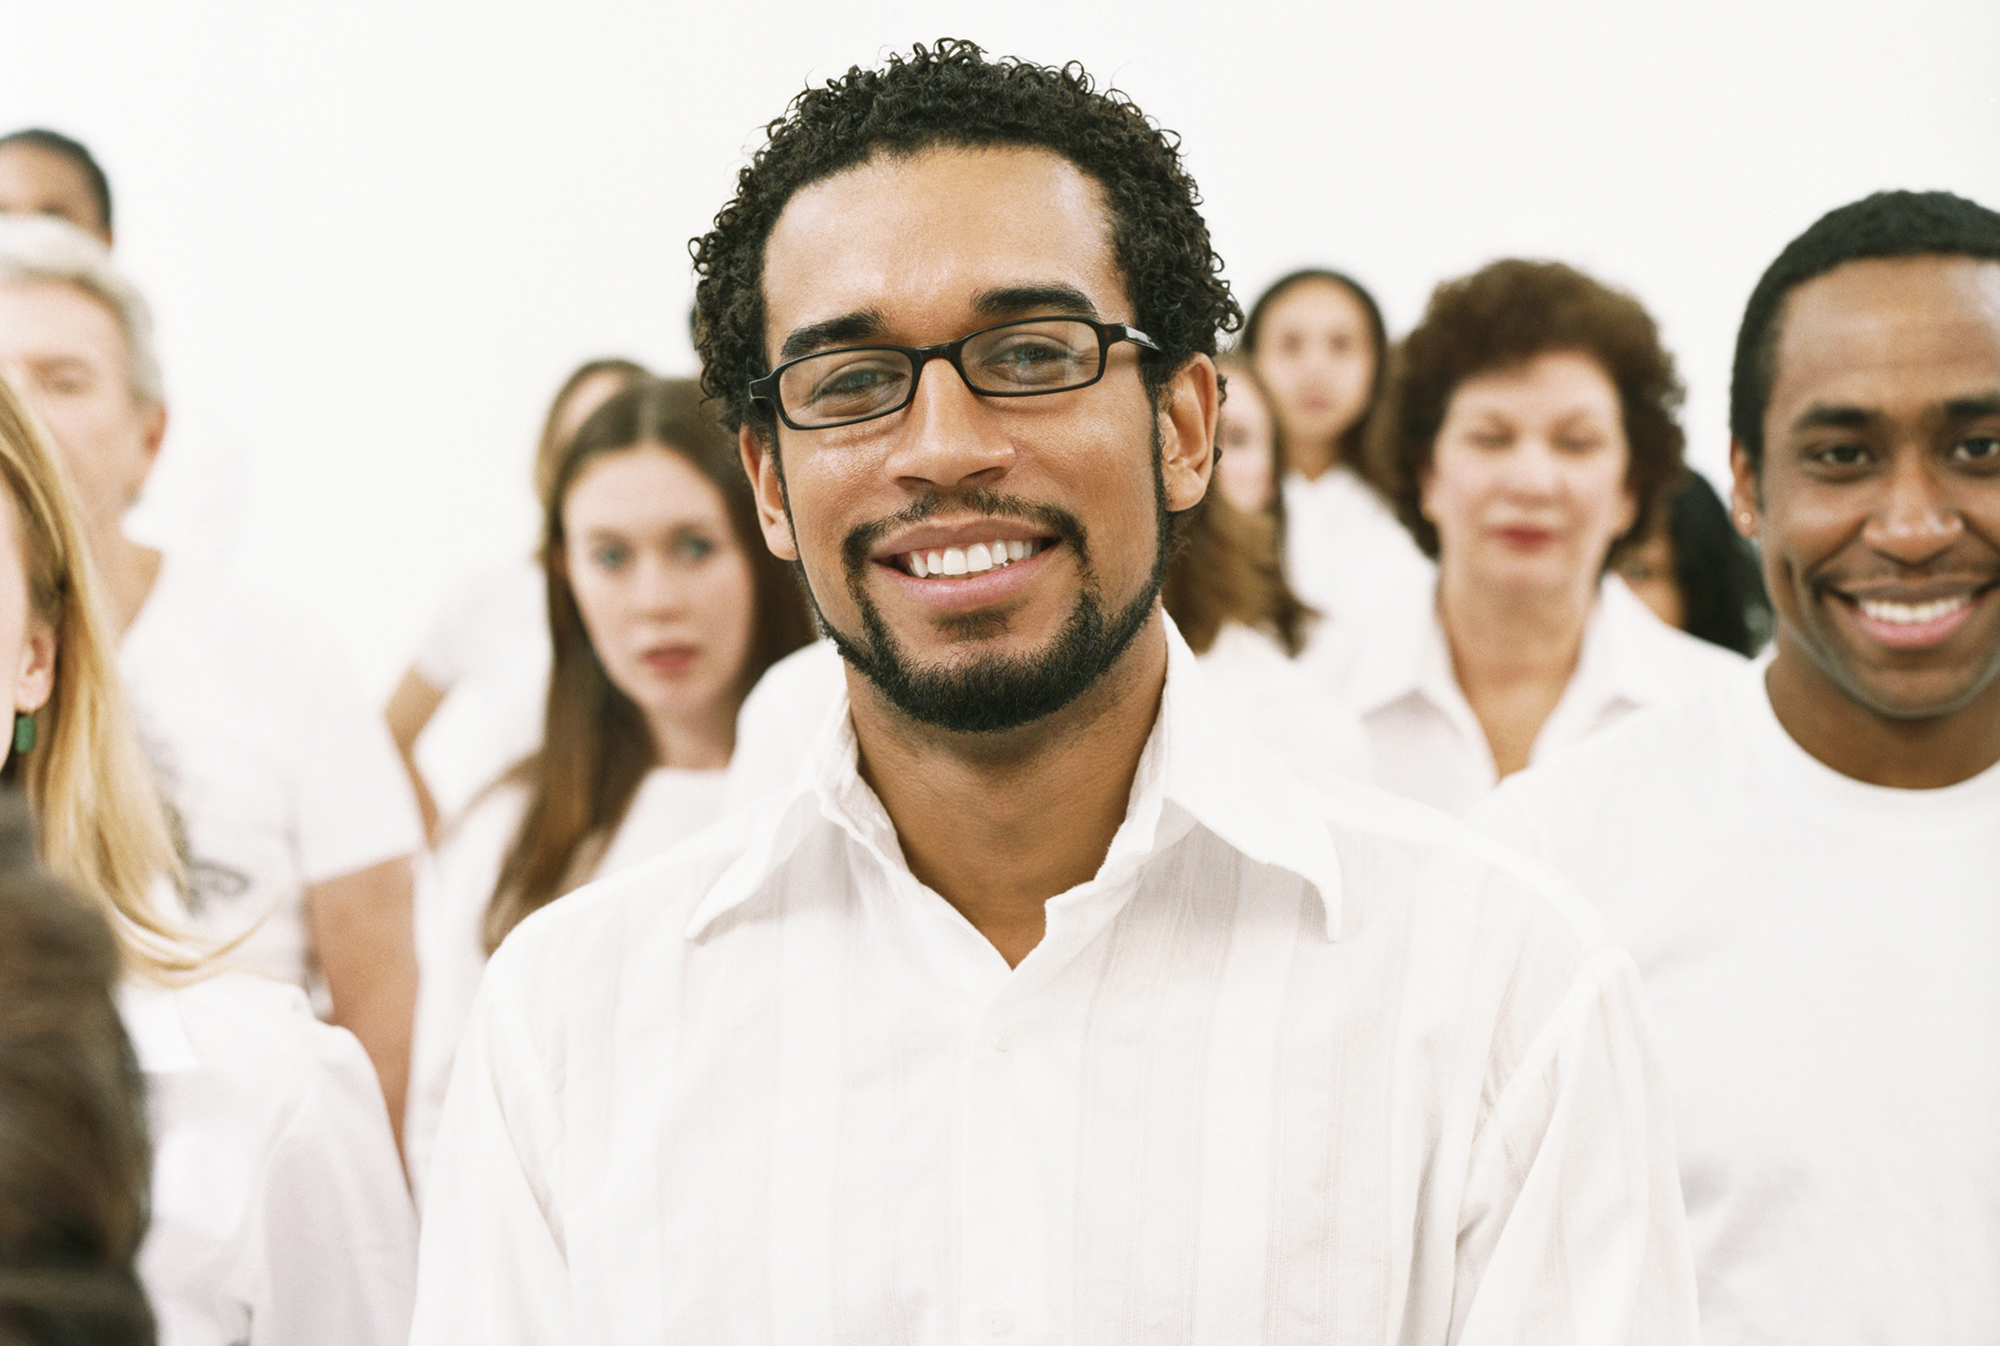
[(279, 1212), (277, 771), (1426, 743), (1822, 959), (454, 885), (488, 652)]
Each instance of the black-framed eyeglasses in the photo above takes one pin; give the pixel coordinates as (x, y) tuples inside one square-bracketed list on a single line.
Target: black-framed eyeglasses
[(1024, 358)]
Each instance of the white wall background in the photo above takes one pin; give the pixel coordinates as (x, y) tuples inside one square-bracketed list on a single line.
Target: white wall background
[(378, 234)]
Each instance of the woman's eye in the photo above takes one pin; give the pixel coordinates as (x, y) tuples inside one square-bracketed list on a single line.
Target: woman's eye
[(694, 548), (1578, 444), (610, 557)]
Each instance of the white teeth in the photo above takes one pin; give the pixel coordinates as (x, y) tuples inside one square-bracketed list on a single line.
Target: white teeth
[(1909, 614), (976, 559)]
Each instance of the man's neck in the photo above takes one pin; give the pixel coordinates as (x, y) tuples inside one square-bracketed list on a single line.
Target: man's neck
[(128, 570), (998, 824), (1916, 754)]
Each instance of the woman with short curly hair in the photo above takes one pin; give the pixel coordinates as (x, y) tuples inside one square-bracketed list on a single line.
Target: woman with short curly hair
[(1530, 423)]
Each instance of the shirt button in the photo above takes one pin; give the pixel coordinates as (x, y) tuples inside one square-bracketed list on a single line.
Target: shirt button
[(1003, 1040), (999, 1322)]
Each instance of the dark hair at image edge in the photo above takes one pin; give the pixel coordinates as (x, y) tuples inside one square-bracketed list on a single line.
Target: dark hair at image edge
[(55, 142), (1501, 317), (951, 95), (596, 746), (1886, 224)]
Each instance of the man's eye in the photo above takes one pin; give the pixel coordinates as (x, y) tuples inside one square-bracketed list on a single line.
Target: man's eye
[(1981, 449), (859, 382), (1841, 455), (1030, 361)]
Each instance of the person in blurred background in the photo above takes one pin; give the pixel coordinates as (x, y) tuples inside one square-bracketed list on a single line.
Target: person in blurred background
[(1317, 343), (279, 1213), (1696, 572), (1531, 420), (73, 1153), (487, 650), (294, 814), (664, 608), (1246, 469), (44, 172)]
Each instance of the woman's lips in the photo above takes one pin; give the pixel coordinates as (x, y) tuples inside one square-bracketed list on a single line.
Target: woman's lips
[(670, 661), (1525, 539)]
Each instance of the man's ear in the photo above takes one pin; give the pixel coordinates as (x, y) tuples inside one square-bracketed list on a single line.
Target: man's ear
[(1746, 500), (767, 483), (1188, 408)]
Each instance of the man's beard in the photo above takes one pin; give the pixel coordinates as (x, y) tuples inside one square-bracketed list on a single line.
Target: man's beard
[(998, 692)]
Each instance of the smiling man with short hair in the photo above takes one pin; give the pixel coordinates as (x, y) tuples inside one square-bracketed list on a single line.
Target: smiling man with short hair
[(1806, 861), (1045, 1008)]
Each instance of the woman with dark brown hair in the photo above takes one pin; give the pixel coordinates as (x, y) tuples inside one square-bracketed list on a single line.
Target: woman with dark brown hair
[(1531, 423), (664, 607)]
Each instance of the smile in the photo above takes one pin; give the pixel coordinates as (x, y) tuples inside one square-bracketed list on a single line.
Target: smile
[(976, 559), (1911, 614)]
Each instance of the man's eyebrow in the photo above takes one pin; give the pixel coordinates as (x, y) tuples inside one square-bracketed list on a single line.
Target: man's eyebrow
[(1019, 300), (1974, 407), (848, 327), (1823, 415)]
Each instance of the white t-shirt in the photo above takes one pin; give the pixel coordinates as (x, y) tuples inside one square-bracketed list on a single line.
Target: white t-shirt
[(1271, 697), (488, 652), (455, 884), (1348, 555), (1425, 741), (1293, 1066), (1822, 961), (279, 1214), (278, 771)]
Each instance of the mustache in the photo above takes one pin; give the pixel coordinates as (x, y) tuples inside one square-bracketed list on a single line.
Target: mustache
[(860, 542)]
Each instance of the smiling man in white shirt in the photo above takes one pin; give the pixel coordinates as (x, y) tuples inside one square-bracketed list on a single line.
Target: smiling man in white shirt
[(1805, 859), (1045, 1009)]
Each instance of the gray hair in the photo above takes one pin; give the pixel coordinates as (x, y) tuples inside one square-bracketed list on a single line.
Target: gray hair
[(45, 250)]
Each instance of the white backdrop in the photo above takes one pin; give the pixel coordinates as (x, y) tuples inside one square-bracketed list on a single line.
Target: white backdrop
[(378, 234)]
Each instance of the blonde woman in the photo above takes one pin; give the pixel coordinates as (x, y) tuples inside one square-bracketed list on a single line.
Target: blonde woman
[(278, 1207)]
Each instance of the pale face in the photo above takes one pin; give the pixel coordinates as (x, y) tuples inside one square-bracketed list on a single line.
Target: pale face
[(666, 592), (1050, 502), (66, 355), (1527, 479), (37, 181), (1247, 471), (27, 642), (1877, 510), (1317, 357)]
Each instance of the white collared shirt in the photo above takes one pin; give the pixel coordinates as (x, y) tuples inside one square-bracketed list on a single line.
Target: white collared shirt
[(1289, 1068), (1426, 742), (1348, 555), (1822, 962), (279, 1214)]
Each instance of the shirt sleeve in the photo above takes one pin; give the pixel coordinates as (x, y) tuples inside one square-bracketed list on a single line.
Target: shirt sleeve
[(1572, 1228), (492, 1266), (336, 1239)]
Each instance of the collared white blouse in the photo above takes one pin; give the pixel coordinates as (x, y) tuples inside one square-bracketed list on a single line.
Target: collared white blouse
[(1289, 1068), (1426, 743), (279, 1212)]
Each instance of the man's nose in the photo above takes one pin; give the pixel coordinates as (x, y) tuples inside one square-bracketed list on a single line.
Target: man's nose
[(949, 436), (1915, 518)]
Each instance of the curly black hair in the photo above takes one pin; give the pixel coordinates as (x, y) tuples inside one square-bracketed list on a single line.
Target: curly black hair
[(952, 95), (1504, 315), (1886, 224)]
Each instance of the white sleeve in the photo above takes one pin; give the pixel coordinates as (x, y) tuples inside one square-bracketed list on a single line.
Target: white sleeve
[(335, 1238), (1572, 1227), (353, 800), (492, 1267)]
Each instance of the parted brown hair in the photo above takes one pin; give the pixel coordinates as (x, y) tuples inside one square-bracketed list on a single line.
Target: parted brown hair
[(73, 1157), (596, 747), (1227, 569), (1500, 317), (548, 448)]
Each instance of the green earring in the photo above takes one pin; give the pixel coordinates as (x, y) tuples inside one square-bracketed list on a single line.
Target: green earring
[(24, 732)]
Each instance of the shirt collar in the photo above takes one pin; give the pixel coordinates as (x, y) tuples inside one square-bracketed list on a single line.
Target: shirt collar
[(152, 1018), (1192, 772)]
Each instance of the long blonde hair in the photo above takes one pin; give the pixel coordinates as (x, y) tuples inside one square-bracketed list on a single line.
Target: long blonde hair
[(99, 818)]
